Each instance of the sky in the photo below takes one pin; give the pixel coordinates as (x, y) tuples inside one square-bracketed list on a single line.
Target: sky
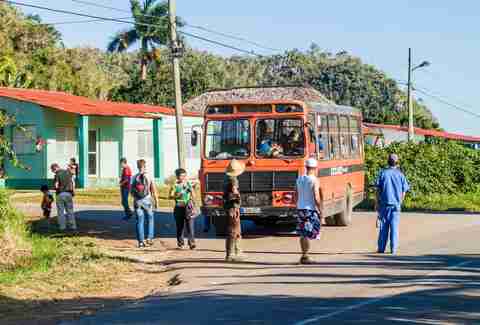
[(445, 33)]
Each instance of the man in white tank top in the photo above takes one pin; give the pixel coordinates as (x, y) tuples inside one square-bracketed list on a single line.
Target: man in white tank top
[(308, 208)]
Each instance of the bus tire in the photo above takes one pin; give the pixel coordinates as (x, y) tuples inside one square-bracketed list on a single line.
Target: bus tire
[(220, 223), (344, 218)]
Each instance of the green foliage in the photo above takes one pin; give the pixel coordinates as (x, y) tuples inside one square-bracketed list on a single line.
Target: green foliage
[(6, 150), (341, 78), (151, 30), (445, 168)]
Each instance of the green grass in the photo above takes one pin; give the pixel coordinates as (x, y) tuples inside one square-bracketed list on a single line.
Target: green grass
[(465, 202), (103, 196)]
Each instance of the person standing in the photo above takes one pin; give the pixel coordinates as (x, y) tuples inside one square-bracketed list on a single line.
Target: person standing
[(144, 201), (64, 188), (125, 180), (391, 187), (73, 168), (309, 207), (182, 193), (231, 204)]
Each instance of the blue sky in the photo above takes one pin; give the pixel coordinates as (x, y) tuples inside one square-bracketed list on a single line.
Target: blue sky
[(446, 33)]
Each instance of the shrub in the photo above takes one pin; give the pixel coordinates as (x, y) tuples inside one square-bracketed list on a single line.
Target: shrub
[(441, 168), (15, 244)]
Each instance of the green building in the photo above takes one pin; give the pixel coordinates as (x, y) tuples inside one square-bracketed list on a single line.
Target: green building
[(97, 134)]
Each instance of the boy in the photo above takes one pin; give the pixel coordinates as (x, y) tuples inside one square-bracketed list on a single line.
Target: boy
[(47, 201), (182, 193), (125, 180), (144, 201)]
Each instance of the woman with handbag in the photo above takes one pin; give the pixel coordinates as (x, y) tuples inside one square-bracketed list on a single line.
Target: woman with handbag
[(185, 209)]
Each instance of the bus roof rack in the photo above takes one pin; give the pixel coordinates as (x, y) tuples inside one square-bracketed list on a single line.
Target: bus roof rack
[(258, 93)]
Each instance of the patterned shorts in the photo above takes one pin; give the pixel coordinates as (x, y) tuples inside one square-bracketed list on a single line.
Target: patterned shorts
[(308, 224)]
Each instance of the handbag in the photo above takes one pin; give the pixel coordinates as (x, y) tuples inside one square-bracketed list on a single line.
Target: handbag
[(191, 210)]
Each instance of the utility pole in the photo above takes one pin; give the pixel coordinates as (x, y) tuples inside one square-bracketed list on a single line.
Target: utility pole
[(411, 130), (176, 54)]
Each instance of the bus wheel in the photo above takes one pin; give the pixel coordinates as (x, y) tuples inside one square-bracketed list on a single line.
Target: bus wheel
[(220, 223), (344, 218)]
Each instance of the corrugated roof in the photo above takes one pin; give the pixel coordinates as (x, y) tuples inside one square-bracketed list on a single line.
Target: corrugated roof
[(425, 132), (84, 106)]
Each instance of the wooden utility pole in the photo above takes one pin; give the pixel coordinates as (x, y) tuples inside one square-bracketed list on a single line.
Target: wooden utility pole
[(176, 54), (411, 130)]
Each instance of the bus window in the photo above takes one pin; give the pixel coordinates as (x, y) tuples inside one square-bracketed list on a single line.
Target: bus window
[(333, 136), (355, 136), (312, 133), (277, 138), (322, 131), (227, 139), (344, 137)]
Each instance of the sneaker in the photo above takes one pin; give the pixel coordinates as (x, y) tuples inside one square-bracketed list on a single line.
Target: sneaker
[(306, 260), (149, 242), (192, 247), (180, 247), (141, 244)]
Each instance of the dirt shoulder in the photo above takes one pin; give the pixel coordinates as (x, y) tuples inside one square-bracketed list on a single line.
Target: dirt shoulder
[(102, 268)]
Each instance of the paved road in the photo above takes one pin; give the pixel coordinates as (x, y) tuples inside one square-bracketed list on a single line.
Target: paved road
[(435, 279)]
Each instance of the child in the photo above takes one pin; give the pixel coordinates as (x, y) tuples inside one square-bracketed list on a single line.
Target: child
[(47, 201), (125, 181), (182, 193), (73, 168)]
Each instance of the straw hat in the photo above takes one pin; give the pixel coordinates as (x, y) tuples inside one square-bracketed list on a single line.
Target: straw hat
[(235, 168)]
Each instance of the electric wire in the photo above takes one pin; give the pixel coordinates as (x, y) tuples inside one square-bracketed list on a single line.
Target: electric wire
[(67, 12), (205, 29)]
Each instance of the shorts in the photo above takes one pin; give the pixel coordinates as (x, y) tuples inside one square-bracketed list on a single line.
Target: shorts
[(308, 224)]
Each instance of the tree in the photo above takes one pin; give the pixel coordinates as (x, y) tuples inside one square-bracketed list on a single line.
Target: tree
[(151, 30)]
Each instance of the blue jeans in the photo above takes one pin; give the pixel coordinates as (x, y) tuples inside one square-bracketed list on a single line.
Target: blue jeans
[(144, 207), (389, 222), (125, 193)]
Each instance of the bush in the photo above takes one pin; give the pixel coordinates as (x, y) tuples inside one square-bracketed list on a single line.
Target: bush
[(15, 245), (442, 168)]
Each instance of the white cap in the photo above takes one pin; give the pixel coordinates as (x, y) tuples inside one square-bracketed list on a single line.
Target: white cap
[(311, 163)]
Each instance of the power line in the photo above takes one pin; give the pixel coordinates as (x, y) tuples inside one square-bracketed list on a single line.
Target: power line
[(249, 52), (205, 29), (78, 21), (440, 99), (444, 101)]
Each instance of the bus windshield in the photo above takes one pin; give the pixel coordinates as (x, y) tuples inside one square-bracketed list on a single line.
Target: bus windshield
[(278, 138), (227, 139)]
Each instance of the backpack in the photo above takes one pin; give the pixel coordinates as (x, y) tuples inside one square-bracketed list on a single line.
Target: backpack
[(140, 187)]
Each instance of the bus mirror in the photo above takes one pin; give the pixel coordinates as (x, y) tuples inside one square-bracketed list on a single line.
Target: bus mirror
[(194, 138)]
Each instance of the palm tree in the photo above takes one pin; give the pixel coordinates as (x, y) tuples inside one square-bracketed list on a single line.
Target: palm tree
[(151, 30)]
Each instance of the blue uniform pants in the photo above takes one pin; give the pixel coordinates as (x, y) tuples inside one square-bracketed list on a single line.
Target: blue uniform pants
[(144, 208), (389, 222)]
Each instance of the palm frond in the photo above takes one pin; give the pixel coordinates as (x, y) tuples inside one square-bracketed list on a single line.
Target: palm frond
[(123, 40)]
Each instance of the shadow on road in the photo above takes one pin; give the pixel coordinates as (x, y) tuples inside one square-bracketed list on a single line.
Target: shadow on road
[(435, 298)]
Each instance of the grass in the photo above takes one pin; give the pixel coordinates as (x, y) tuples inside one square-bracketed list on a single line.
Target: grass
[(464, 202), (38, 263), (104, 196)]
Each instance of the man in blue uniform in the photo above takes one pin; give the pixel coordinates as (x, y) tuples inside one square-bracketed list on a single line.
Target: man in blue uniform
[(391, 187)]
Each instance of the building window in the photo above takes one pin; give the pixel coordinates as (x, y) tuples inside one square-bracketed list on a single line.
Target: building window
[(66, 143), (23, 139), (145, 144)]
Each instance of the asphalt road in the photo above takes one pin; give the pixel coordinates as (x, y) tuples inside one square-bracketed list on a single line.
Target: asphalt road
[(435, 278)]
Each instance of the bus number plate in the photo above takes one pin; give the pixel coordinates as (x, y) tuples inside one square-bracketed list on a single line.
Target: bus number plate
[(250, 210)]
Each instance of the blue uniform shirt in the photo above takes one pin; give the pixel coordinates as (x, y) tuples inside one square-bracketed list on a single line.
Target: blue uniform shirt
[(391, 183)]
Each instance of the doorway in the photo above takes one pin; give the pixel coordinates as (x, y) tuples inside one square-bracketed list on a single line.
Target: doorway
[(93, 153)]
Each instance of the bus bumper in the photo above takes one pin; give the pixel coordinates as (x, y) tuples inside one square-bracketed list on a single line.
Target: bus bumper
[(257, 213)]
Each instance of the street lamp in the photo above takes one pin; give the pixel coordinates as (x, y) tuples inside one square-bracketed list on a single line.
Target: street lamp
[(411, 130)]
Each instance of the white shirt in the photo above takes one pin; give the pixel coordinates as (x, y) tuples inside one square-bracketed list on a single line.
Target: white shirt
[(305, 192)]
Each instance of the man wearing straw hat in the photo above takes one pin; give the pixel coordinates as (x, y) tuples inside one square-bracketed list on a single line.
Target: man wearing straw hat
[(231, 204)]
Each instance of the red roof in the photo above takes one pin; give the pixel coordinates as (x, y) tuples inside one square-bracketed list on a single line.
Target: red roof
[(84, 106), (424, 132)]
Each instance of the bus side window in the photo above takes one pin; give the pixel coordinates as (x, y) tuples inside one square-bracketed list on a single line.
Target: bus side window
[(344, 137), (355, 136), (312, 136), (322, 131), (333, 136)]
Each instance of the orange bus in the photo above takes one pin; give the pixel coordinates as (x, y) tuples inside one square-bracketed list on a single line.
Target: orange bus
[(273, 139)]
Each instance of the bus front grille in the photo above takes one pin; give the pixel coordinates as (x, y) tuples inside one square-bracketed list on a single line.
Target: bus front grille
[(255, 181)]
